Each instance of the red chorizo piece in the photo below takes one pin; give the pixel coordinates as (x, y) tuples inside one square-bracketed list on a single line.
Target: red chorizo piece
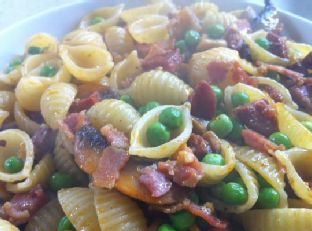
[(84, 104), (259, 116), (203, 101)]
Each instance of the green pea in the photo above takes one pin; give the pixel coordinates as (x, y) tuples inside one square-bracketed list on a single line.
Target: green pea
[(213, 159), (181, 45), (61, 180), (182, 220), (171, 117), (221, 125), (216, 31), (96, 20), (236, 133), (13, 164), (64, 224), (218, 92), (13, 65), (194, 197), (127, 99), (274, 75), (36, 50), (191, 37), (262, 182), (216, 190), (166, 227), (281, 138), (234, 177), (308, 125), (268, 198), (147, 107), (263, 42), (48, 70), (239, 98), (234, 194), (157, 134)]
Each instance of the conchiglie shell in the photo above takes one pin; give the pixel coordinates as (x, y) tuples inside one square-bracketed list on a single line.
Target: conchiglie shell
[(117, 212), (119, 42), (23, 121), (111, 17), (298, 134), (127, 69), (198, 64), (287, 99), (7, 226), (17, 142), (168, 6), (267, 167), (298, 168), (9, 80), (277, 220), (112, 111), (39, 175), (47, 218), (86, 62), (84, 37), (298, 51), (78, 206), (136, 13), (150, 29), (139, 144), (252, 186), (161, 86), (43, 40), (55, 102), (260, 54), (7, 99), (214, 173), (223, 18), (64, 162), (299, 115), (3, 116), (201, 8), (29, 91), (33, 64)]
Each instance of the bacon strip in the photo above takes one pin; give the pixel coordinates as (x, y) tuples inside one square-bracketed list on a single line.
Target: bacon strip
[(114, 137), (84, 104)]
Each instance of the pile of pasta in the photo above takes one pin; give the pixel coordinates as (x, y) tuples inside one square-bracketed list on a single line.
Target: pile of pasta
[(158, 117)]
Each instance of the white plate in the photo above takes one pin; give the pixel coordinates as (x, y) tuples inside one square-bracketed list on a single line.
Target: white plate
[(59, 21)]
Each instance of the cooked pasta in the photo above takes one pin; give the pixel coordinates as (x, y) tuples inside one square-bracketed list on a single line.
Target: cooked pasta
[(84, 37), (115, 112), (46, 43), (109, 203), (55, 102), (46, 218), (134, 14), (3, 116), (78, 206), (201, 8), (7, 99), (39, 175), (223, 18), (160, 86), (5, 225)]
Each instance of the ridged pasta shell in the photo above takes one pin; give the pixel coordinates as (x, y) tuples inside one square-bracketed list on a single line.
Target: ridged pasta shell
[(3, 116), (55, 102), (115, 211), (78, 206), (139, 145), (299, 115), (265, 166), (214, 173), (199, 61), (133, 14), (7, 99), (298, 51), (252, 186), (277, 220), (223, 18), (7, 226), (39, 175), (298, 169), (201, 8), (150, 29), (84, 37), (47, 218), (23, 121), (43, 40), (112, 111), (127, 69), (161, 86), (86, 62), (9, 80), (111, 17), (17, 142)]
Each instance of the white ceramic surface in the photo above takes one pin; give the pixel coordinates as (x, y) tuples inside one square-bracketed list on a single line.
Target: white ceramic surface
[(60, 20)]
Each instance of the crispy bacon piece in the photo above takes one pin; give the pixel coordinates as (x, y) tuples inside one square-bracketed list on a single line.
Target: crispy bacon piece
[(278, 45), (259, 116), (143, 49), (259, 142), (302, 95), (272, 92), (23, 205), (218, 71), (199, 125), (84, 104), (43, 141), (241, 76), (114, 137), (213, 140), (155, 181), (199, 145), (203, 101)]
